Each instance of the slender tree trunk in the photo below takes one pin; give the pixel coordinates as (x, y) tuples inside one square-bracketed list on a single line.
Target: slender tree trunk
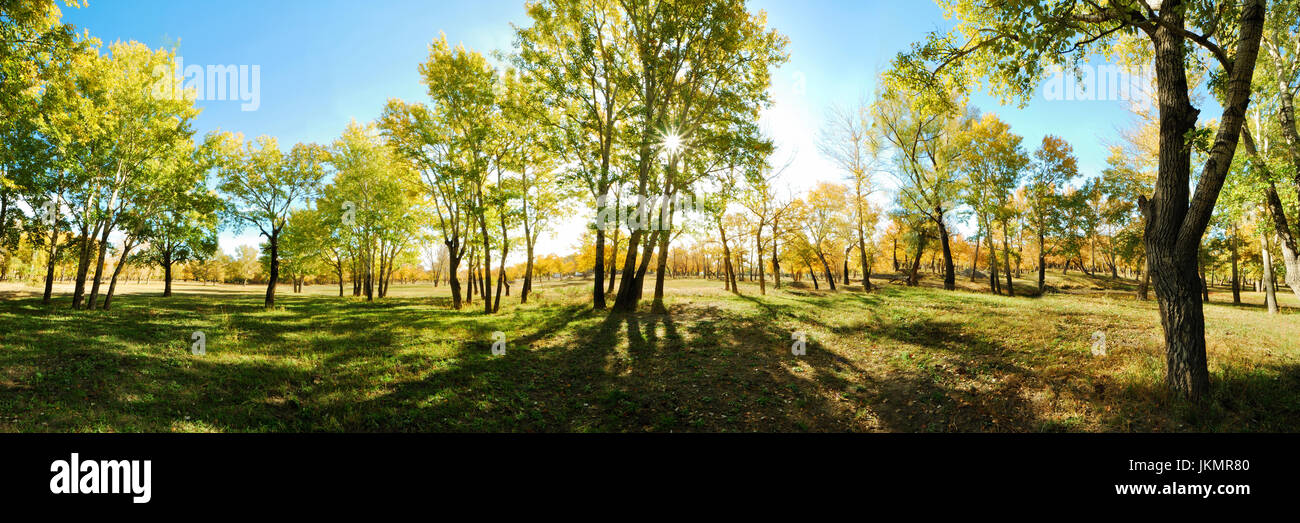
[(99, 266), (1006, 259), (758, 248), (83, 266), (501, 269), (1205, 284), (112, 285), (275, 268), (847, 250), (49, 264), (1145, 286), (528, 275), (657, 305), (1270, 290), (830, 277), (1236, 276), (598, 288), (862, 259), (776, 258)]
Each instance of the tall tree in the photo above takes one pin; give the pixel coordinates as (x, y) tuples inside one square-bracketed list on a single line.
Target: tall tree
[(263, 185), (1012, 47), (924, 132), (850, 141), (577, 50), (994, 164)]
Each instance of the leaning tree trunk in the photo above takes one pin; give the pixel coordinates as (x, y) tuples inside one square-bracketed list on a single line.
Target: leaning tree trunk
[(830, 278), (99, 268), (913, 277), (112, 284)]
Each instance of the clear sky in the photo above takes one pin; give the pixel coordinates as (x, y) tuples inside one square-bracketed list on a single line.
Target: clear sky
[(323, 63)]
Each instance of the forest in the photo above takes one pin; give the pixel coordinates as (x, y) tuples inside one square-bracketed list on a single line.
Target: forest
[(949, 275)]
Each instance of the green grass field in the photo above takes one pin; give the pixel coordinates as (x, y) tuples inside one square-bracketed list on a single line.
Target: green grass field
[(895, 359)]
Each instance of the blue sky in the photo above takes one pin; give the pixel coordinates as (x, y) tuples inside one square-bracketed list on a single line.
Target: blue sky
[(324, 63)]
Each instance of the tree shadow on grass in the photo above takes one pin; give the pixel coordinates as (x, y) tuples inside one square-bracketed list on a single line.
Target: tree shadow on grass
[(624, 372)]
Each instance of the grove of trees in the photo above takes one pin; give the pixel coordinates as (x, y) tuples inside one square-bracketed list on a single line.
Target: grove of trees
[(644, 114)]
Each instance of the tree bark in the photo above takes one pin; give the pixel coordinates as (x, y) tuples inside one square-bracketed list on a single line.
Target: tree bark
[(1270, 291), (1006, 259), (275, 268), (1174, 228)]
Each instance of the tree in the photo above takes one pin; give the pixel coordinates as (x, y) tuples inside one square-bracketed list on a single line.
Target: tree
[(700, 73), (577, 51), (1012, 48), (300, 248), (821, 215), (925, 136), (1053, 169), (262, 185), (34, 50), (372, 199), (448, 145), (183, 226), (850, 141), (993, 164), (531, 144), (107, 123), (1277, 86)]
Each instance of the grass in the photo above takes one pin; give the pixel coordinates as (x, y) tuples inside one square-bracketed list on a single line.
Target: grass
[(895, 359)]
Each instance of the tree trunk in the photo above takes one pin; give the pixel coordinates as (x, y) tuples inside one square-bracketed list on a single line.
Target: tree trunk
[(275, 268), (167, 274), (1174, 227), (83, 266), (1042, 262), (1145, 286), (776, 258), (112, 284), (598, 288), (49, 264), (913, 277), (528, 275), (99, 267), (830, 278), (657, 306), (1270, 291)]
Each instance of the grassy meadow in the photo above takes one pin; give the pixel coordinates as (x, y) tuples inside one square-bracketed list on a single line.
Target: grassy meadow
[(894, 359)]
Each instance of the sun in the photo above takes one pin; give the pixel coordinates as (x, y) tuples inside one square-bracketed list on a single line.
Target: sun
[(672, 143)]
